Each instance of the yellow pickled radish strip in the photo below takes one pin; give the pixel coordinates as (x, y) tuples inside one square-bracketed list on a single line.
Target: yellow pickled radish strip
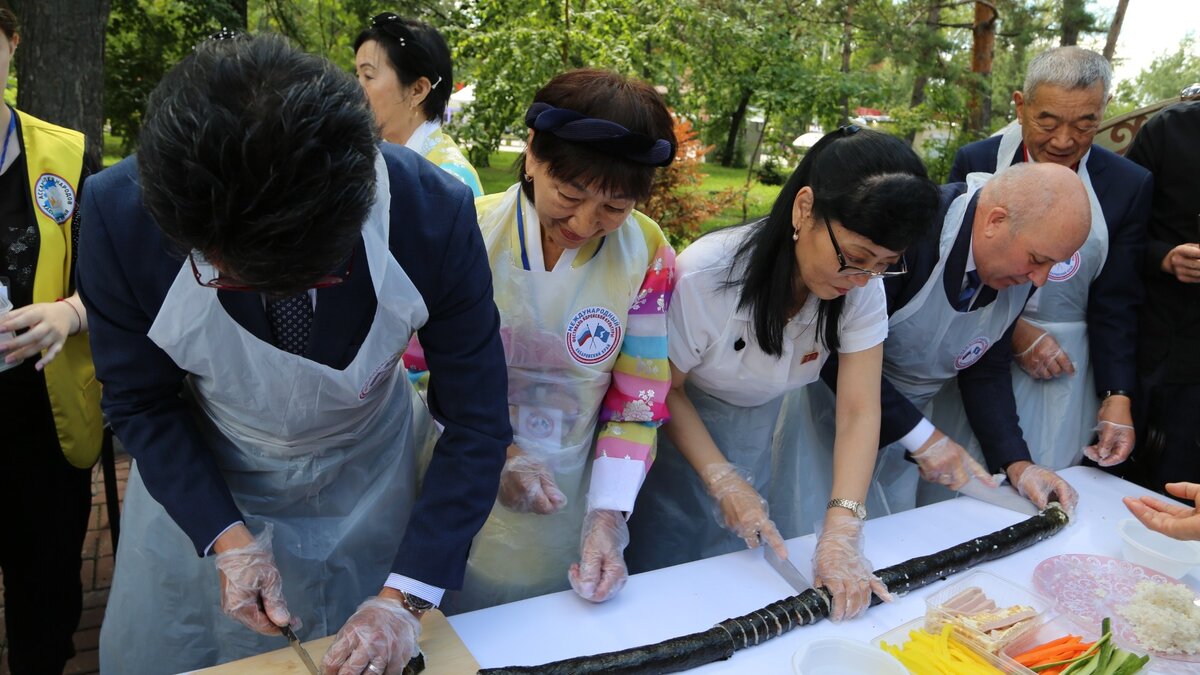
[(929, 654)]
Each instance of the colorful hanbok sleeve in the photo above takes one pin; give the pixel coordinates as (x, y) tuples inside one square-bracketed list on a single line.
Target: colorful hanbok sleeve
[(635, 404)]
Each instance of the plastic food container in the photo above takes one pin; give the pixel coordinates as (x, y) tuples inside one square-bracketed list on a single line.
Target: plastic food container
[(1143, 546), (1003, 592), (838, 656), (899, 635)]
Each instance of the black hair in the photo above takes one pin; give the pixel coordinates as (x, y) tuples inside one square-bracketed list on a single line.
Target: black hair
[(8, 23), (872, 183), (605, 95), (429, 57), (262, 158)]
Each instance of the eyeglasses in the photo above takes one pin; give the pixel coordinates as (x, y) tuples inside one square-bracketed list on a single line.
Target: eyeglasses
[(209, 277), (1050, 125), (853, 271)]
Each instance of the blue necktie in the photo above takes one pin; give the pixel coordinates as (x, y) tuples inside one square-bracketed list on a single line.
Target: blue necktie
[(968, 292), (291, 321)]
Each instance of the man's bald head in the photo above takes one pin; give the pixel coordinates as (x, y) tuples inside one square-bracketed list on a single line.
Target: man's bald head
[(1029, 217)]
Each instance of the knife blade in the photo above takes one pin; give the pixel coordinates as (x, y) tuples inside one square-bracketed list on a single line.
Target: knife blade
[(785, 569), (1004, 496), (300, 651)]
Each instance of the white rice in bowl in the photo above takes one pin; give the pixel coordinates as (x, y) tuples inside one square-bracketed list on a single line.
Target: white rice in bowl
[(1164, 617)]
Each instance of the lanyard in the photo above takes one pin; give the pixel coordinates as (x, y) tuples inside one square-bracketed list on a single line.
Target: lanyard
[(521, 231), (12, 126)]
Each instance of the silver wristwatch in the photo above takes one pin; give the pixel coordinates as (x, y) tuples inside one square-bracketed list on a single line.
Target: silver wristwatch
[(857, 508), (415, 604)]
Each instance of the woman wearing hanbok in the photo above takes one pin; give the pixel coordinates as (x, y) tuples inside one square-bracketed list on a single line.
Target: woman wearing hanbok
[(582, 282), (404, 66)]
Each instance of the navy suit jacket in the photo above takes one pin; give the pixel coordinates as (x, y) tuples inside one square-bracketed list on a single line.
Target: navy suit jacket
[(986, 385), (1124, 190), (126, 268)]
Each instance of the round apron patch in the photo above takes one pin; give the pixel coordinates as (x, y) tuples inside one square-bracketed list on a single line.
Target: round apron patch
[(1066, 269), (593, 335), (54, 197), (974, 350), (380, 374)]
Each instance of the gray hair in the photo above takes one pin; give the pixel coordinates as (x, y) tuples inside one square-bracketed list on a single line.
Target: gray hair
[(1069, 68)]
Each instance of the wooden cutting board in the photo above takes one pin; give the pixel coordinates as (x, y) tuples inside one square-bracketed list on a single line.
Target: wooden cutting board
[(445, 654)]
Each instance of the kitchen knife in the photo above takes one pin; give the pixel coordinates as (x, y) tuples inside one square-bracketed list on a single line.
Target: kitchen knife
[(1005, 496), (295, 643), (785, 568)]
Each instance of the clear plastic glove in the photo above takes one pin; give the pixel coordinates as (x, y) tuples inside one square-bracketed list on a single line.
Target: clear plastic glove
[(601, 570), (527, 486), (1037, 484), (840, 566), (1045, 359), (742, 510), (1113, 445), (945, 462), (381, 637), (47, 326), (251, 588)]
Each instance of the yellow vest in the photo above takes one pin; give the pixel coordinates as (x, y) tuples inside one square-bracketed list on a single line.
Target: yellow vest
[(54, 157)]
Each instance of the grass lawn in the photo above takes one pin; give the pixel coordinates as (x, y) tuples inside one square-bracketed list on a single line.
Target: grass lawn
[(500, 175)]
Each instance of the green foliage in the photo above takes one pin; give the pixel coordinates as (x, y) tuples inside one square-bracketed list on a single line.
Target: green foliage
[(771, 173), (676, 203), (145, 39), (1163, 78), (498, 175), (513, 47), (938, 155), (778, 58)]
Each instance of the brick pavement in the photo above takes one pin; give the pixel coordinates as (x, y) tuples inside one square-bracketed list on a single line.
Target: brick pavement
[(96, 573)]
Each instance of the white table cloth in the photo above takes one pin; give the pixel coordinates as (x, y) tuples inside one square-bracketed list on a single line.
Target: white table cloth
[(693, 597)]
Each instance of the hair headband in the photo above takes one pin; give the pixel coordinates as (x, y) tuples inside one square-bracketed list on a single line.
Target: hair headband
[(603, 135), (393, 25)]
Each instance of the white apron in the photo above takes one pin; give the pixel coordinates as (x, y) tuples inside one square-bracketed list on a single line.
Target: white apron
[(674, 521), (801, 489), (1057, 416), (323, 454), (928, 343), (675, 518), (562, 331)]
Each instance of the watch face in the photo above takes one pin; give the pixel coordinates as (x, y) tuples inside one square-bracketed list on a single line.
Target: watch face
[(419, 604)]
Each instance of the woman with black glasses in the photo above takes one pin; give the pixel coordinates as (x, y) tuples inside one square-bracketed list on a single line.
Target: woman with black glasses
[(757, 310), (404, 67)]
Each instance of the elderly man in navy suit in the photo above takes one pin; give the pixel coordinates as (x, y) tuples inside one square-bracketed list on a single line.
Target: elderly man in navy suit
[(1075, 345), (253, 276)]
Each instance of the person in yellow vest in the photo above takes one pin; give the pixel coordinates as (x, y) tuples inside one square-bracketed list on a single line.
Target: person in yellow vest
[(51, 429)]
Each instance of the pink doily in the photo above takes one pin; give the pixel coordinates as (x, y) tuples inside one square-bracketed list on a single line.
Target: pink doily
[(1095, 586)]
